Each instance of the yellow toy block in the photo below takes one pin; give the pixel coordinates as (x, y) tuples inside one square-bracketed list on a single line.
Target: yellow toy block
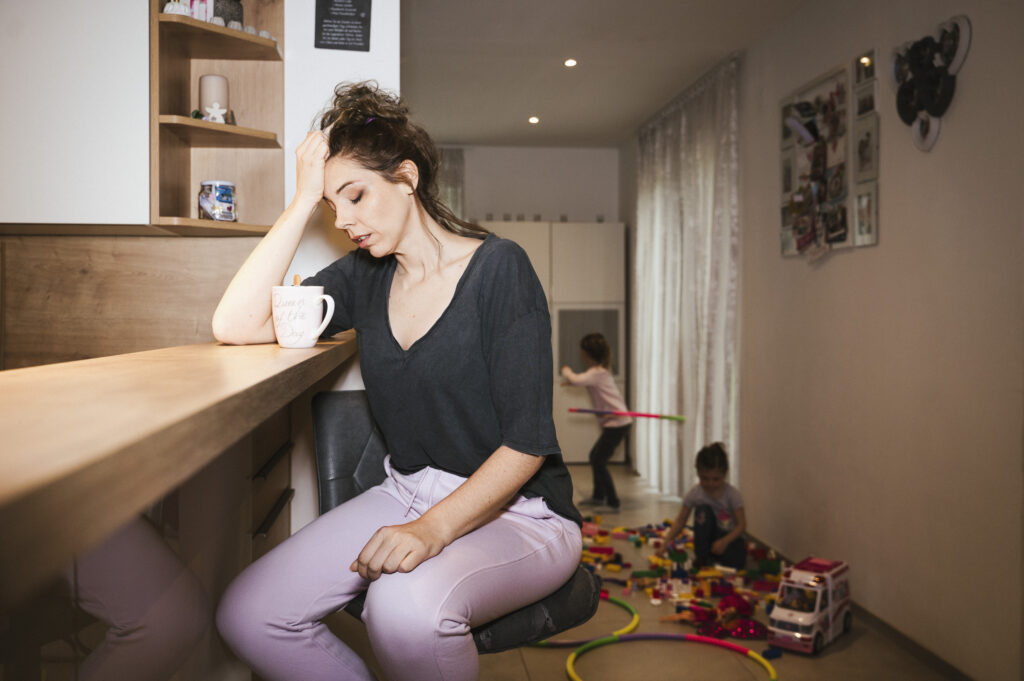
[(709, 573)]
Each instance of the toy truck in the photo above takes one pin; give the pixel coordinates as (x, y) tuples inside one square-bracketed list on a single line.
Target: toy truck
[(812, 606)]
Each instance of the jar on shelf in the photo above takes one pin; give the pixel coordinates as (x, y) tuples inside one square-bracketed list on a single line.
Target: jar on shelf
[(217, 201)]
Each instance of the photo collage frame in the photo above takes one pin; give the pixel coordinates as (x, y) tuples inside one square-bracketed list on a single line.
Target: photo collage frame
[(829, 162)]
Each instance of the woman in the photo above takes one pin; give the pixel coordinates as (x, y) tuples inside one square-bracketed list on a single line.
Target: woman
[(475, 518)]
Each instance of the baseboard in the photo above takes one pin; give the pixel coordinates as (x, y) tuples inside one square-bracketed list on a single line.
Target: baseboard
[(907, 644)]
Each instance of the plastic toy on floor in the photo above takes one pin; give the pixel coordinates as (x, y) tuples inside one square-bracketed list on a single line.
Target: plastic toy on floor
[(812, 605)]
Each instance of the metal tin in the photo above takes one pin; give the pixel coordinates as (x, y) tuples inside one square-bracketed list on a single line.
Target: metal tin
[(217, 200)]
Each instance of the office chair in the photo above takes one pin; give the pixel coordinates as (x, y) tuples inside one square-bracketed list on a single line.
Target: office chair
[(350, 455)]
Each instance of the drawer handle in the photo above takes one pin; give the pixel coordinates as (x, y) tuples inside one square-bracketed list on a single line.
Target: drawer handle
[(271, 518), (268, 466)]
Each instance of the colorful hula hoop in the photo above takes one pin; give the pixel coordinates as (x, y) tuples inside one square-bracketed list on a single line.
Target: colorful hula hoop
[(639, 414), (570, 664), (633, 624)]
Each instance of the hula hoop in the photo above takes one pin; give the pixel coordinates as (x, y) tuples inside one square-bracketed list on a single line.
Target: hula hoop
[(570, 664), (633, 624)]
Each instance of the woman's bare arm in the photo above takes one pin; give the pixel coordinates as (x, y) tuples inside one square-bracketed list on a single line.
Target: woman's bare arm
[(243, 315)]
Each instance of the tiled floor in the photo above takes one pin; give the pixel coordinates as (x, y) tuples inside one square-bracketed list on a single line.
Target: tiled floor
[(869, 652)]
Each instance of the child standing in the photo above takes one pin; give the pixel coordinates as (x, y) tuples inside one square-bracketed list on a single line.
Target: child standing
[(719, 519), (605, 396)]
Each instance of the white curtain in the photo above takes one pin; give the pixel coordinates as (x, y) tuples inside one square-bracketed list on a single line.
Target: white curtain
[(451, 179), (685, 333)]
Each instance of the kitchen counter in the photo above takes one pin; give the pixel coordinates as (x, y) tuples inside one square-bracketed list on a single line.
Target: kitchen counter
[(86, 445)]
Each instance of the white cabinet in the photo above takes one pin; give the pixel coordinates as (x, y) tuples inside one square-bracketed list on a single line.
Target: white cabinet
[(74, 127), (582, 267)]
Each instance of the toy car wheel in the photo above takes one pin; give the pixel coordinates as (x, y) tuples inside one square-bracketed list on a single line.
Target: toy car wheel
[(819, 643), (847, 622)]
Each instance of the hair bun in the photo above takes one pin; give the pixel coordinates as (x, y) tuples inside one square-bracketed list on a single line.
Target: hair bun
[(361, 103)]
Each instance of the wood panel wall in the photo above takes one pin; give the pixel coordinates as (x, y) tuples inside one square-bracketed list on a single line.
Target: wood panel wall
[(70, 298)]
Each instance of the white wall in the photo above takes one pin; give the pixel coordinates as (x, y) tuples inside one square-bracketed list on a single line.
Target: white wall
[(310, 75), (881, 408), (580, 183), (74, 125)]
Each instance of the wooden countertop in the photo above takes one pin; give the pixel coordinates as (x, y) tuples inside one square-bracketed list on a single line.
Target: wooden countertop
[(86, 445)]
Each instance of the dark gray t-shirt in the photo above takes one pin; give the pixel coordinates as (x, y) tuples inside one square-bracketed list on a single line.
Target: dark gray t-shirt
[(481, 377)]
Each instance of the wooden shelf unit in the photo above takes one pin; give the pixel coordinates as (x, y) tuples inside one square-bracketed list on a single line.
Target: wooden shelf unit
[(185, 151), (203, 40), (199, 133), (207, 227)]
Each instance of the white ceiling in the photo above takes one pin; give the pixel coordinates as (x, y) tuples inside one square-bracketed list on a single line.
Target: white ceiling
[(473, 71)]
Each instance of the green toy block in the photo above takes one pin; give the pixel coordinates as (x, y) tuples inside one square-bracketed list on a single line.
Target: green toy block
[(639, 574)]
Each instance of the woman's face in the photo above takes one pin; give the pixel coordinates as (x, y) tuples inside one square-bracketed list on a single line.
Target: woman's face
[(373, 211)]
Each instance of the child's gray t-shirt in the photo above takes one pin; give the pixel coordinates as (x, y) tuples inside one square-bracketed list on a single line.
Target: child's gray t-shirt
[(724, 506)]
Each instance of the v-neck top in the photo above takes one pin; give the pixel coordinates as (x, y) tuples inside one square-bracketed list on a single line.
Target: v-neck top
[(479, 378)]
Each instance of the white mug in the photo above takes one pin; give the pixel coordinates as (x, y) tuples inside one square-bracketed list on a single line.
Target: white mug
[(299, 317)]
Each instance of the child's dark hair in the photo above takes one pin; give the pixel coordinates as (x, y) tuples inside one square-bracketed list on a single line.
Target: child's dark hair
[(372, 127), (598, 349), (712, 457)]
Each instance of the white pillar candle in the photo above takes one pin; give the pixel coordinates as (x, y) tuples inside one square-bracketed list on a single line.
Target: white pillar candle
[(213, 89)]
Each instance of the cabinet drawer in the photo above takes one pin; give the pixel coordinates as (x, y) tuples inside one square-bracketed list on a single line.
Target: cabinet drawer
[(270, 482)]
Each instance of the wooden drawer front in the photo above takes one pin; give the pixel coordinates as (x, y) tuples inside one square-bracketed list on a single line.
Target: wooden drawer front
[(268, 437), (269, 483), (271, 464)]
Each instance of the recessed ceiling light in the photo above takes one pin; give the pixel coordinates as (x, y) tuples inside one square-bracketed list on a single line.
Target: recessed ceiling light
[(533, 120), (570, 63)]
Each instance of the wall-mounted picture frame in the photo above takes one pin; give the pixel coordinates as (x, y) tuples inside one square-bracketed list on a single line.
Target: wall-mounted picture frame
[(865, 148), (787, 171), (788, 241), (814, 165), (865, 232), (864, 99), (786, 135), (787, 216), (864, 67)]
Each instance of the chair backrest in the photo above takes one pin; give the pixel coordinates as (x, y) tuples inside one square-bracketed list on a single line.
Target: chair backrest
[(350, 450), (350, 453)]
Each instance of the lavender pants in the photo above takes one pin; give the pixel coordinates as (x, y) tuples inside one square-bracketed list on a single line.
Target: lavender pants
[(156, 609), (418, 622)]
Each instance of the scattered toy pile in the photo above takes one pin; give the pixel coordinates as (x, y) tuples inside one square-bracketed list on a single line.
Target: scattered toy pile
[(671, 577)]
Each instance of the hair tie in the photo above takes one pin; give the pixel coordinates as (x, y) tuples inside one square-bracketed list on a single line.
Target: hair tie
[(370, 120)]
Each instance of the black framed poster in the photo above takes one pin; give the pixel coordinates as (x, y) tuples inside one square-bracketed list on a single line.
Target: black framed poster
[(343, 25)]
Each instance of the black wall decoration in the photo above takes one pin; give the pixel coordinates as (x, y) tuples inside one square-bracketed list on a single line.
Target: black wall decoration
[(924, 73)]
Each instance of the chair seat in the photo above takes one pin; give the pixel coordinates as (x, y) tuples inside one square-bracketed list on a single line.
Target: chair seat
[(350, 454)]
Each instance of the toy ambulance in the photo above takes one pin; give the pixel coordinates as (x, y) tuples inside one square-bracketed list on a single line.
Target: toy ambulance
[(812, 606)]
